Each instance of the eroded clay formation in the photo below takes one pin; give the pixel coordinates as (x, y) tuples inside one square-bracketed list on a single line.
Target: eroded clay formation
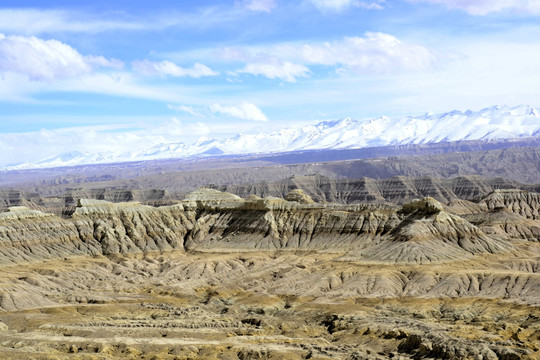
[(218, 276)]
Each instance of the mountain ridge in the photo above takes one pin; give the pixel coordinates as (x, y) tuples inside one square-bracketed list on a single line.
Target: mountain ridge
[(492, 123)]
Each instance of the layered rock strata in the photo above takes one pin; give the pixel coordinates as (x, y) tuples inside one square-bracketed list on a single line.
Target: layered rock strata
[(216, 276), (209, 220), (62, 201)]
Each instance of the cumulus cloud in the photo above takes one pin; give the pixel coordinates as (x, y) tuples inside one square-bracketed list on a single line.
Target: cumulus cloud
[(260, 5), (166, 67), (47, 60), (276, 69), (340, 5), (245, 110), (372, 53), (375, 52), (483, 7)]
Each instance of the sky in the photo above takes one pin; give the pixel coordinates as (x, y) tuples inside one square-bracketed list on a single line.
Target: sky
[(128, 74)]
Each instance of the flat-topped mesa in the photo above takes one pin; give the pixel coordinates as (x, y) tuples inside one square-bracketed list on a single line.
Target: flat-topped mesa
[(299, 196), (205, 198), (211, 199), (29, 235), (427, 206), (206, 194), (500, 221), (93, 206), (428, 233), (426, 219), (95, 228), (521, 202), (271, 203), (132, 227), (210, 220), (22, 212), (91, 202)]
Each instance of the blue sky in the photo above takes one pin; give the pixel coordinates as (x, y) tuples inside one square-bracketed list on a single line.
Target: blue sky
[(102, 75)]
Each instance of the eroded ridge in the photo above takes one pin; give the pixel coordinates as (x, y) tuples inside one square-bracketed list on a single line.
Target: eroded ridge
[(209, 220), (220, 277)]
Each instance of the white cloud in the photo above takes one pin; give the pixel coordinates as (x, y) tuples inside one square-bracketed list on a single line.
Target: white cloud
[(47, 59), (374, 5), (175, 128), (133, 136), (166, 67), (117, 84), (340, 5), (335, 5), (373, 53), (245, 110), (260, 5), (34, 21), (39, 21), (187, 109), (19, 88), (483, 7), (276, 69)]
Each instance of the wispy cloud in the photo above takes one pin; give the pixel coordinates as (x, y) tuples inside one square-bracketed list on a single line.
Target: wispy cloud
[(245, 110), (483, 7), (168, 68), (340, 5), (105, 140), (128, 85), (168, 130), (187, 109), (47, 59), (274, 68), (372, 53), (375, 52), (260, 5), (19, 88), (38, 21)]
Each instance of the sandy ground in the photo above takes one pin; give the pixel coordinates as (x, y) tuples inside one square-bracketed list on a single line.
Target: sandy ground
[(270, 305)]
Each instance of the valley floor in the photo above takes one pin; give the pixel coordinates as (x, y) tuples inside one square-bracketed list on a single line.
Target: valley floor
[(270, 305)]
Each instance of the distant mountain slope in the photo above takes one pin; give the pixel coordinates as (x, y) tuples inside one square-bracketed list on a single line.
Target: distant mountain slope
[(496, 122)]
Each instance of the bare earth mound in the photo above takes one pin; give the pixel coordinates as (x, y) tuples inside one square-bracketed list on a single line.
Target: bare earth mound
[(216, 276)]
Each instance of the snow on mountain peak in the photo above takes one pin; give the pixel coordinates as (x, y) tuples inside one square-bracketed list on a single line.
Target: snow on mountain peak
[(495, 122)]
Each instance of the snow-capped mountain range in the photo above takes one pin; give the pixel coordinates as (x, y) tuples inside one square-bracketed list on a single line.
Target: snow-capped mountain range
[(496, 122)]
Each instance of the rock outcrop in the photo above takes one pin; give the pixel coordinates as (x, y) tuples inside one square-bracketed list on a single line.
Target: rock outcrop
[(395, 190), (428, 233), (96, 227), (209, 220), (299, 196), (520, 202), (218, 276), (320, 188)]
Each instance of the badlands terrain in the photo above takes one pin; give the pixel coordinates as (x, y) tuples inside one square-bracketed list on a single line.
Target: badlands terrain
[(427, 257)]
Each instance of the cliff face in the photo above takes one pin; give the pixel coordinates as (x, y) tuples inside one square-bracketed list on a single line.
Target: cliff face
[(65, 203), (208, 220), (218, 276), (96, 227), (524, 203), (32, 235), (395, 190)]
